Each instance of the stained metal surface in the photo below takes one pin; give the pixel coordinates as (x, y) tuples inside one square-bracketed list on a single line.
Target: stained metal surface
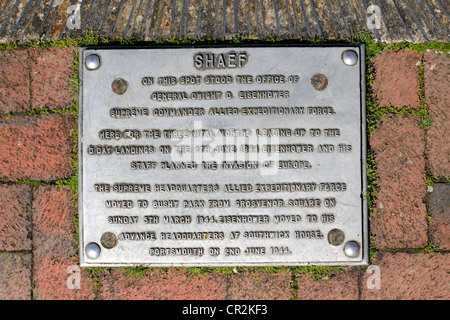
[(386, 20), (223, 156)]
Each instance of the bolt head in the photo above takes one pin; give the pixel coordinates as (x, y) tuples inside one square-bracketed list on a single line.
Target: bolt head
[(119, 86), (336, 237), (93, 250), (319, 81), (350, 57), (108, 240), (92, 62), (352, 249)]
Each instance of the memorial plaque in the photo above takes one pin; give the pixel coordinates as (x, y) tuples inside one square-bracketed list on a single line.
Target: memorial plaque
[(222, 156)]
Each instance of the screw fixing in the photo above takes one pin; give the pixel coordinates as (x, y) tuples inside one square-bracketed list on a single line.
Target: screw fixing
[(352, 249), (119, 86), (349, 57), (319, 81), (93, 250), (108, 240), (92, 62), (336, 237)]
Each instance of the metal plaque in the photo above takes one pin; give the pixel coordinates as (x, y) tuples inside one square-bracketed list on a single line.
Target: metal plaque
[(222, 156)]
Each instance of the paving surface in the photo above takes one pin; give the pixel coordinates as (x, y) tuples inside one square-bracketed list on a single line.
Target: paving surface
[(386, 20), (409, 224)]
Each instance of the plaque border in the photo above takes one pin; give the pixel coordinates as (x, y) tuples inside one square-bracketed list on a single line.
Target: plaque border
[(363, 156)]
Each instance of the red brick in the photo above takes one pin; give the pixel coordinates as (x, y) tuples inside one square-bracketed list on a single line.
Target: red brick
[(260, 285), (15, 217), (54, 210), (36, 147), (50, 72), (340, 286), (14, 81), (15, 276), (406, 276), (439, 208), (156, 285), (55, 247), (53, 222), (54, 280), (437, 94), (396, 80), (399, 216)]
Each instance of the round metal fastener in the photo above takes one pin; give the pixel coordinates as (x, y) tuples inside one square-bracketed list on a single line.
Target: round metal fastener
[(108, 240), (92, 62), (319, 81), (350, 57), (93, 250), (336, 237), (119, 86), (351, 249)]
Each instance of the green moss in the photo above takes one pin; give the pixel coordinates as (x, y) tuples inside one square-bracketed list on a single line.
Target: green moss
[(136, 272), (317, 273), (419, 47), (372, 249), (9, 46), (27, 180), (429, 248)]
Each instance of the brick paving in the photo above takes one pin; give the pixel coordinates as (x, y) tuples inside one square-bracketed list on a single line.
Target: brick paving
[(439, 208), (31, 79), (410, 276), (15, 217), (399, 217), (339, 286), (51, 69), (15, 276), (175, 284), (54, 280), (409, 223), (14, 81), (36, 147), (437, 82), (399, 70)]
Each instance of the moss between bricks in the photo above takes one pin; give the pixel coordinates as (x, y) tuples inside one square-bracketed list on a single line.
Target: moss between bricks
[(374, 114)]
